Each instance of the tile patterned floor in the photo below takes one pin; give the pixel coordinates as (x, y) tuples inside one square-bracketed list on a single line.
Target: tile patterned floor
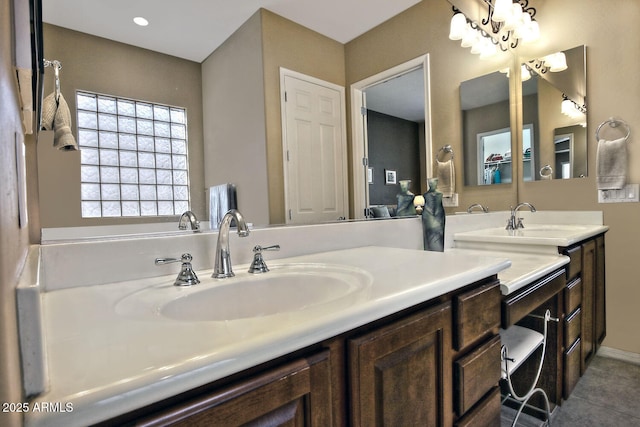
[(608, 395)]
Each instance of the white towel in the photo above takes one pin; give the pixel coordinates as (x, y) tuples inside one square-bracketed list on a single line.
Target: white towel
[(611, 164), (221, 198), (57, 117), (446, 175)]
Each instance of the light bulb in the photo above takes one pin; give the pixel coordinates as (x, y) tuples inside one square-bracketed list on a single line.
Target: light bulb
[(501, 10), (458, 27), (470, 38)]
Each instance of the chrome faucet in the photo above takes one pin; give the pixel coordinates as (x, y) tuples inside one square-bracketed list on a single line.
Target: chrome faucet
[(191, 218), (477, 205), (514, 223), (222, 267)]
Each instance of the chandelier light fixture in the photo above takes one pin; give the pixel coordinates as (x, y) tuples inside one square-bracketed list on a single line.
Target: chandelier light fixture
[(509, 23)]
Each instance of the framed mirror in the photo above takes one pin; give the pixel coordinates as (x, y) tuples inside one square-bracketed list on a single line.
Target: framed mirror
[(554, 107)]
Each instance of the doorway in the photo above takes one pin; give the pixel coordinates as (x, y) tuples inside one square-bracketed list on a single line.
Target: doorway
[(362, 172)]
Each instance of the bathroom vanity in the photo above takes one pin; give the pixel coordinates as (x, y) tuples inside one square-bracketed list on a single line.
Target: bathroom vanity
[(574, 294), (362, 336)]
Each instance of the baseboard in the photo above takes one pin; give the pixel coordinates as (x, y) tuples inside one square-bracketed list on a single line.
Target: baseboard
[(614, 353)]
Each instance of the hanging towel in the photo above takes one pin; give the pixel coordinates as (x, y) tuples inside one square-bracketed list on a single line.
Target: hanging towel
[(57, 117), (446, 175), (611, 164), (221, 198)]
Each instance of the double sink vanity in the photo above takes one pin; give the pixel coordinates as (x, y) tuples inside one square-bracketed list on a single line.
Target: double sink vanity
[(360, 328)]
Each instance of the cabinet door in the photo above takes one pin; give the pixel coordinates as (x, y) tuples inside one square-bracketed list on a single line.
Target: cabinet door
[(400, 375), (600, 321), (296, 394), (588, 279)]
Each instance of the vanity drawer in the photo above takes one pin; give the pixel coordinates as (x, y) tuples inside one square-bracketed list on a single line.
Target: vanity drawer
[(517, 305), (571, 369), (575, 264), (573, 295), (485, 413), (572, 326), (476, 314), (475, 374)]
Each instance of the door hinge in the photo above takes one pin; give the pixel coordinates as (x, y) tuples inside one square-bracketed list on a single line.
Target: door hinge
[(290, 215), (363, 111), (285, 96), (365, 161), (288, 158)]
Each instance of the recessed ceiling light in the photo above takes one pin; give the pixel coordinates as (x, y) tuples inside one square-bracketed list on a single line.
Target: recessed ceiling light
[(141, 21)]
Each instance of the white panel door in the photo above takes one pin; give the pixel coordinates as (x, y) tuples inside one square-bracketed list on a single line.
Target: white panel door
[(315, 152)]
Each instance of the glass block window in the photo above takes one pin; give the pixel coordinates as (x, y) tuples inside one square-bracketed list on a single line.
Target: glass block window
[(133, 157)]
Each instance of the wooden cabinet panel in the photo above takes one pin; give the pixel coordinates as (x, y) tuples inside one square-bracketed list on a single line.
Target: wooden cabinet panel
[(600, 320), (401, 374), (517, 305), (485, 414), (476, 314), (297, 394), (573, 295), (476, 373), (572, 328), (588, 279), (571, 373), (575, 264)]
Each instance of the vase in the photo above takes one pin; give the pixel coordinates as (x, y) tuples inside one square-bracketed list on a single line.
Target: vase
[(405, 199), (433, 218)]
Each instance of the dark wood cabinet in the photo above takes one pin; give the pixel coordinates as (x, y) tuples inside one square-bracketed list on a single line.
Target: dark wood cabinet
[(588, 286), (600, 319), (400, 374), (295, 394), (585, 313)]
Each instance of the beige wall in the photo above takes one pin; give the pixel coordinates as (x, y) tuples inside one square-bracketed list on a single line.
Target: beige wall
[(14, 241), (244, 118), (103, 66), (289, 45), (234, 119)]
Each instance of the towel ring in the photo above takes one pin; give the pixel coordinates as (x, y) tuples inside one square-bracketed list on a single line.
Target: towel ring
[(614, 123), (546, 172), (447, 150)]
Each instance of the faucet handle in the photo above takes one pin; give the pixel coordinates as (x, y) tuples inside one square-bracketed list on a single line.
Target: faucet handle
[(187, 276), (520, 224), (259, 265)]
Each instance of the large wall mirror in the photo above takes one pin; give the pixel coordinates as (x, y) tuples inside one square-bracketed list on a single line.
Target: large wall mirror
[(554, 107)]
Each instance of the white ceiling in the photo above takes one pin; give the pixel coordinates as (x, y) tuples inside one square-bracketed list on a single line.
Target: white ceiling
[(192, 29)]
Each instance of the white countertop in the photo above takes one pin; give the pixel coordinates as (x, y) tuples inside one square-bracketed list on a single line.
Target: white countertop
[(525, 267), (105, 364)]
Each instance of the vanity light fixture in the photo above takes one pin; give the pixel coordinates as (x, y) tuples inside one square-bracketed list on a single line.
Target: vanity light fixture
[(509, 21), (139, 20), (572, 109)]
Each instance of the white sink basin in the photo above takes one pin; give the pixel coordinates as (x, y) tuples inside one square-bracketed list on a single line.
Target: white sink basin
[(532, 234), (284, 289)]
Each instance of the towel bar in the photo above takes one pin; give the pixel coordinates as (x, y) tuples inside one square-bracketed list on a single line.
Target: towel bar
[(447, 150), (612, 122)]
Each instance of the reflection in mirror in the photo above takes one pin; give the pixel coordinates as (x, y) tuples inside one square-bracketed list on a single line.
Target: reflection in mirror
[(554, 106), (486, 133), (395, 136)]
